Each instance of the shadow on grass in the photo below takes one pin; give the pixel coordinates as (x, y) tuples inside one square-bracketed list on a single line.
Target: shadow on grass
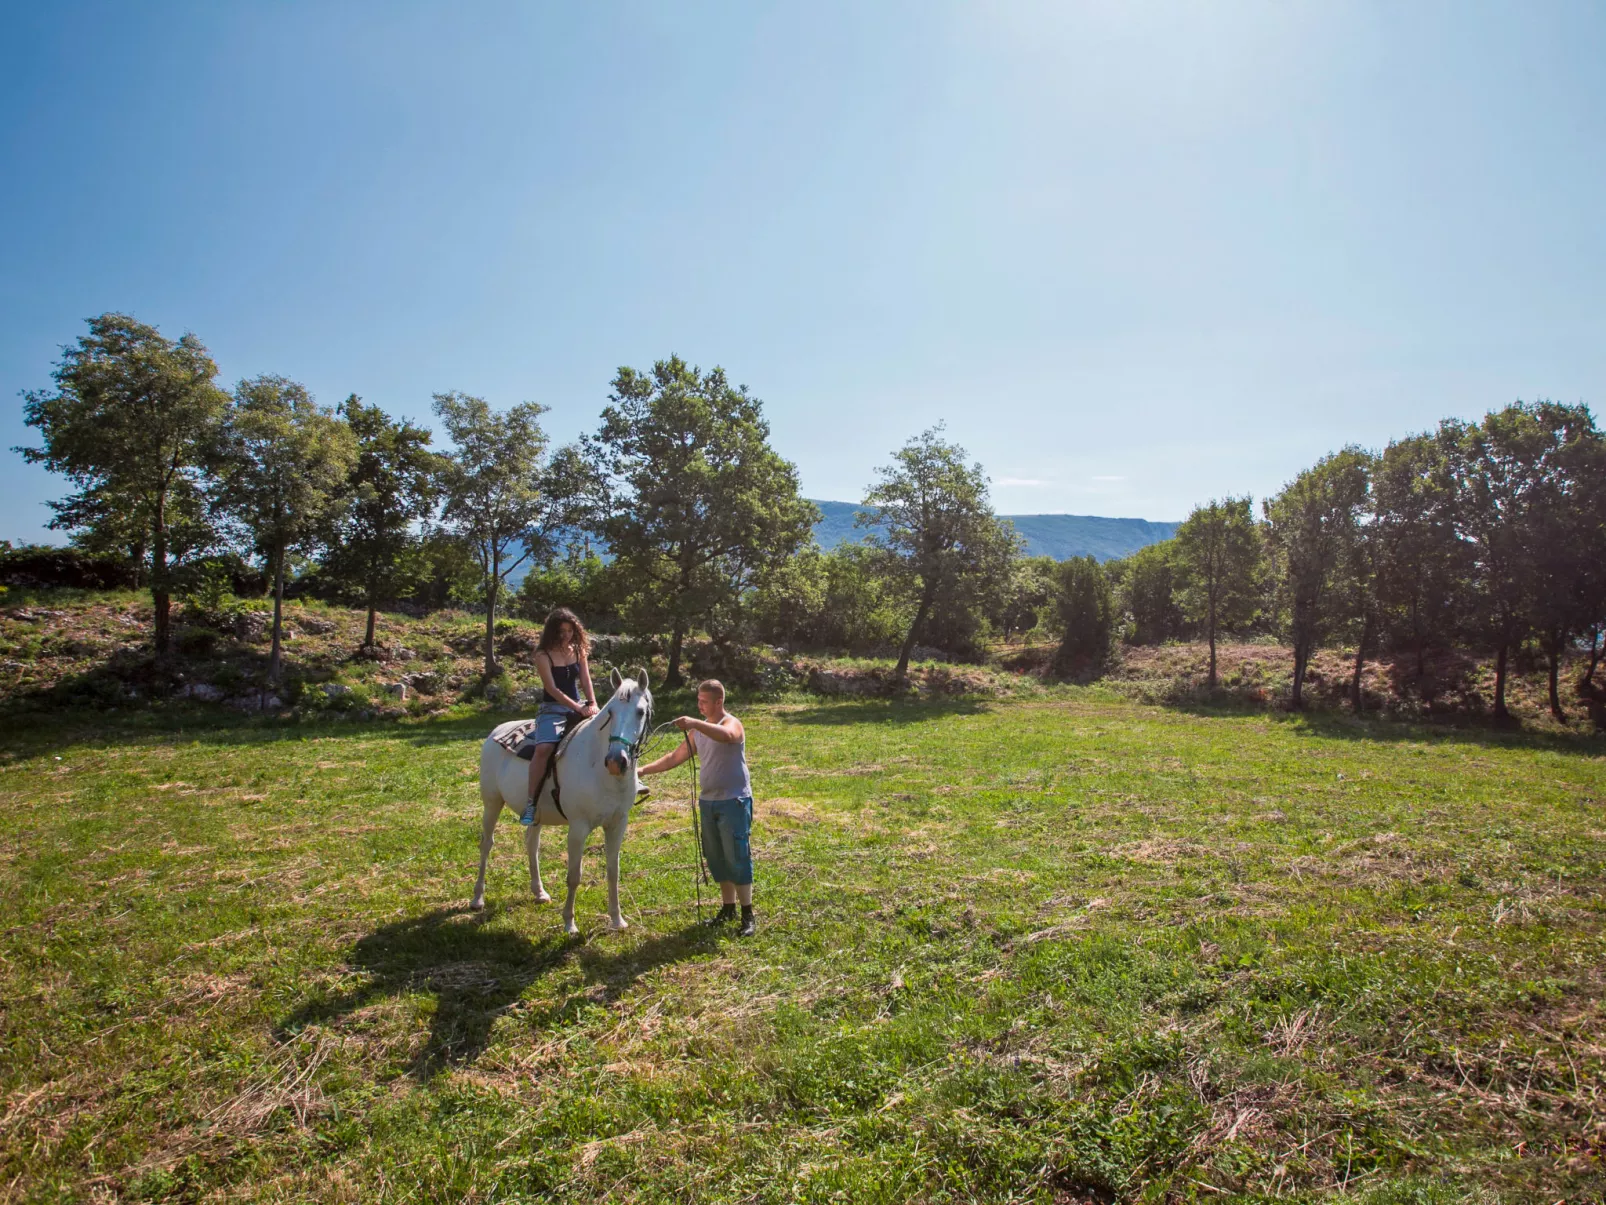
[(477, 973), (1382, 728), (883, 711)]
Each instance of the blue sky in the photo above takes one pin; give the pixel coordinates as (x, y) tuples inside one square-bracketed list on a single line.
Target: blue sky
[(1135, 255)]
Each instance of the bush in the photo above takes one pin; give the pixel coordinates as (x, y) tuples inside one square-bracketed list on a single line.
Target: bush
[(208, 597), (1087, 616), (40, 566)]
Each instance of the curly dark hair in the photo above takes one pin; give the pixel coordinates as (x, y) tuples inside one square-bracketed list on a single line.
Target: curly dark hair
[(552, 633)]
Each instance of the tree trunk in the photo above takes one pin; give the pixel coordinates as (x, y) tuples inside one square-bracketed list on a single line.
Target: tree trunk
[(677, 637), (1360, 665), (1594, 658), (491, 585), (161, 600), (368, 640), (926, 596), (1500, 712), (1553, 657), (276, 656), (1301, 659), (1210, 680)]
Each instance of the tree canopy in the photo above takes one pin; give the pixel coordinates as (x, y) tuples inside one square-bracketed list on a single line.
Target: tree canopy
[(693, 502), (131, 424)]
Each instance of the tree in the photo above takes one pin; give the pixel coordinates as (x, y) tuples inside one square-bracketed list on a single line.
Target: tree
[(130, 424), (1217, 556), (1418, 556), (1087, 617), (932, 520), (1145, 588), (392, 485), (1027, 587), (1518, 475), (283, 464), (501, 494), (1312, 525), (695, 505)]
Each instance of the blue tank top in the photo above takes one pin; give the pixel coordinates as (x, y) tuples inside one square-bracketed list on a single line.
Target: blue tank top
[(567, 679)]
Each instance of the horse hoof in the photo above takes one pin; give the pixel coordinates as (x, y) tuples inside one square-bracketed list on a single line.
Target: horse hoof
[(477, 905), (619, 926), (572, 930), (541, 897)]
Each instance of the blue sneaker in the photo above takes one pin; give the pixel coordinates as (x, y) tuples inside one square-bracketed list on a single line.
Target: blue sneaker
[(527, 816)]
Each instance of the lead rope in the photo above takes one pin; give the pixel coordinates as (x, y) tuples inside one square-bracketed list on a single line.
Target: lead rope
[(699, 871)]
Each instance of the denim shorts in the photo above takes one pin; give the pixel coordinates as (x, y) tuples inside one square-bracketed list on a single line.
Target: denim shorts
[(727, 845), (549, 723)]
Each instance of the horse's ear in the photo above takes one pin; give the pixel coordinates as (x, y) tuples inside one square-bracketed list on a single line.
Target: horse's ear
[(641, 676), (615, 677)]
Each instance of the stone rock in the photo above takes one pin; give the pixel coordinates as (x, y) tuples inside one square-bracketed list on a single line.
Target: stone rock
[(333, 690), (203, 692), (399, 689), (252, 625), (318, 627), (425, 683)]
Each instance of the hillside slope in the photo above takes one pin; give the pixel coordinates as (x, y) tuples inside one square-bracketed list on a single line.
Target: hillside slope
[(1058, 536)]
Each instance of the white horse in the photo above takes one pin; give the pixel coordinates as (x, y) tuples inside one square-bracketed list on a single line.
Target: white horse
[(596, 777)]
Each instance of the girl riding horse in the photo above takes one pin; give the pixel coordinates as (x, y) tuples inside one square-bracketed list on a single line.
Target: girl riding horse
[(561, 660)]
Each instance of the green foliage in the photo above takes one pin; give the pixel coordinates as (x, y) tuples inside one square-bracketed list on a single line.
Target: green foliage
[(931, 518), (696, 507), (43, 566), (1525, 478), (1024, 599), (1312, 527), (282, 466), (207, 594), (837, 601), (391, 486), (1087, 618), (131, 424), (501, 496), (582, 581), (1217, 562), (1421, 563), (1145, 588)]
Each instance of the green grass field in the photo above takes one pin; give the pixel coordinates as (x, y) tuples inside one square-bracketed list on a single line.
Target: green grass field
[(1061, 949)]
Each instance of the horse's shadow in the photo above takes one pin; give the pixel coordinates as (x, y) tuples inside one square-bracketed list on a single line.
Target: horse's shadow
[(477, 973)]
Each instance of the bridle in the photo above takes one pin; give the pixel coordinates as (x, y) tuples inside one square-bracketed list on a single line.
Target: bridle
[(633, 747)]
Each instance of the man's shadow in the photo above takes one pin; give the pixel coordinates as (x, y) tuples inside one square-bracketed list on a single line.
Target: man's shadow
[(477, 973)]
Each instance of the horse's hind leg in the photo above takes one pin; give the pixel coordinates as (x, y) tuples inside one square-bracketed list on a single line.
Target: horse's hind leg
[(532, 847), (493, 809)]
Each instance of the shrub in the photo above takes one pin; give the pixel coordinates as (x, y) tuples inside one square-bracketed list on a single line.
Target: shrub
[(1087, 617), (40, 565), (208, 597)]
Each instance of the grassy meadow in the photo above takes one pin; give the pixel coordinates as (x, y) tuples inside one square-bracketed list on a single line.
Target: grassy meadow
[(1064, 948)]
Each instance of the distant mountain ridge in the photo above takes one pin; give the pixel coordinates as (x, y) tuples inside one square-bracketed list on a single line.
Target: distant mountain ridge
[(1058, 536)]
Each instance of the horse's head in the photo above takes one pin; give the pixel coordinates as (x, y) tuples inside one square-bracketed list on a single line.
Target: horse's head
[(629, 716)]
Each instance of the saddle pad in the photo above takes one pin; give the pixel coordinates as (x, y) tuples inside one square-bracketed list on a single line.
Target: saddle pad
[(511, 736), (518, 738)]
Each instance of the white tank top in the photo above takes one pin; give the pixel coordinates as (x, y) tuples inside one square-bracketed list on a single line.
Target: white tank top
[(721, 768)]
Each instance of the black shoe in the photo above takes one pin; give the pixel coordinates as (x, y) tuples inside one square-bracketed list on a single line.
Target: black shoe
[(749, 923), (724, 916)]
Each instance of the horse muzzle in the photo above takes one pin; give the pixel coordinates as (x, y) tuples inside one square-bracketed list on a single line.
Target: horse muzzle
[(617, 763)]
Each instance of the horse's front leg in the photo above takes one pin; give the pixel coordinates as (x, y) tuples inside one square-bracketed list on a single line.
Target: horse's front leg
[(493, 809), (532, 847), (614, 839), (577, 848)]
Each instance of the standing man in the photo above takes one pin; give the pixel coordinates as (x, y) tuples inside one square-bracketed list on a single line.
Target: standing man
[(726, 799)]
